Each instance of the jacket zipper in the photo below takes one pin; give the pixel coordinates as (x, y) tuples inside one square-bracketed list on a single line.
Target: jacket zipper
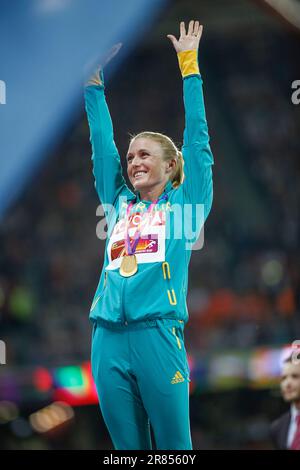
[(167, 277), (95, 303), (100, 295), (122, 303)]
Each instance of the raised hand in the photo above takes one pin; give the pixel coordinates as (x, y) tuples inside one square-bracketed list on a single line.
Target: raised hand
[(95, 79), (188, 40), (111, 54)]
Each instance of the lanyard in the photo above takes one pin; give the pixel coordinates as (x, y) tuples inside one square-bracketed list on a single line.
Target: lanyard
[(131, 247)]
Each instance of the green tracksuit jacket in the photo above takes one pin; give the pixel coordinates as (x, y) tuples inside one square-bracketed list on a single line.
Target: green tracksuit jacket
[(159, 288)]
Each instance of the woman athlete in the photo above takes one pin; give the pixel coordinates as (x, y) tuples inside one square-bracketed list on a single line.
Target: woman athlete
[(139, 361)]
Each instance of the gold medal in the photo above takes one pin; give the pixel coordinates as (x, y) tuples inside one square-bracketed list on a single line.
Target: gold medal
[(129, 266)]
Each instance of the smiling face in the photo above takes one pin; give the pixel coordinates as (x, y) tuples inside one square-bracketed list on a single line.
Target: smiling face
[(290, 383), (146, 168)]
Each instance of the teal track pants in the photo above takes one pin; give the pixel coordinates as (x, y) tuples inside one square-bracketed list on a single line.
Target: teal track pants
[(142, 376)]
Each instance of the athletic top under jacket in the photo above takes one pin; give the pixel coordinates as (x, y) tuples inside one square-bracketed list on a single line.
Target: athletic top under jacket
[(159, 288)]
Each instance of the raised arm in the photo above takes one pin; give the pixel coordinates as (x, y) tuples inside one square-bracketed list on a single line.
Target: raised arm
[(198, 158), (107, 169)]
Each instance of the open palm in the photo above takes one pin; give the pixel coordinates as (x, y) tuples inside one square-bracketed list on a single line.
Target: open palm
[(188, 40)]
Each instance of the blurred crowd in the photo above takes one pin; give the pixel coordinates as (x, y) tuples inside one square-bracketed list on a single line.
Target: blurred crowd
[(257, 299), (244, 283)]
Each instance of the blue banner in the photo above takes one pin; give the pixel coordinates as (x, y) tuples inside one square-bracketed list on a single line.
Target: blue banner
[(46, 50)]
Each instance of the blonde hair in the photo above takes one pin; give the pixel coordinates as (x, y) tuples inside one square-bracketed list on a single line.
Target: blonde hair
[(170, 151)]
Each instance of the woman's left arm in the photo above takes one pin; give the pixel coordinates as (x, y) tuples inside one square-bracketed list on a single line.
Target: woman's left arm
[(198, 158)]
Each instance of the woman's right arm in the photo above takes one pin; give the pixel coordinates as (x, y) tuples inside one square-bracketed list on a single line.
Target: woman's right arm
[(107, 169)]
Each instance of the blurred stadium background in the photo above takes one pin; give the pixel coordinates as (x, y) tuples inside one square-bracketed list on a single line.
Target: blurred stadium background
[(244, 295)]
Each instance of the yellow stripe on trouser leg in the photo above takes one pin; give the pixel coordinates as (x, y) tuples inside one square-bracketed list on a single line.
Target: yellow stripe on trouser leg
[(188, 62)]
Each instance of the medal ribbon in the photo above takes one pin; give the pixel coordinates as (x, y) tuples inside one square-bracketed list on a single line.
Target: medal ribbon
[(131, 247)]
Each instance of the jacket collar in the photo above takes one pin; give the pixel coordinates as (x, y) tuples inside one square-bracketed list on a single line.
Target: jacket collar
[(167, 189)]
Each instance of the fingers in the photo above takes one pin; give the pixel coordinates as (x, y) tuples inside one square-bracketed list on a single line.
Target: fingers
[(111, 53), (182, 29), (194, 28), (189, 38), (191, 28), (172, 39), (116, 48)]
